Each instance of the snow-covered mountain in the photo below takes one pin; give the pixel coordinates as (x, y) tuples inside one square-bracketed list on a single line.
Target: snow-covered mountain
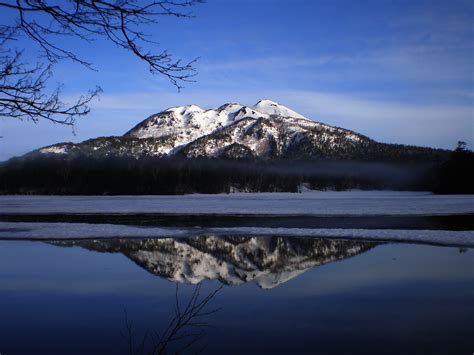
[(254, 130), (266, 129), (190, 122), (267, 261)]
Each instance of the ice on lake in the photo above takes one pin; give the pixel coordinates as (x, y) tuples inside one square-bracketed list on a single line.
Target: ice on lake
[(309, 203)]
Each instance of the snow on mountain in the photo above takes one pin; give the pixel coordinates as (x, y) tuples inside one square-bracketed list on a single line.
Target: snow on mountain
[(272, 137), (182, 124), (186, 123), (266, 261), (54, 149), (266, 129)]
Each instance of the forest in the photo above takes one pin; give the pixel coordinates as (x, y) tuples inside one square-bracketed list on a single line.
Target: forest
[(55, 174)]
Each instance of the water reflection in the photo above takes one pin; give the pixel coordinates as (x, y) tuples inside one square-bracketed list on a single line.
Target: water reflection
[(395, 299), (267, 261)]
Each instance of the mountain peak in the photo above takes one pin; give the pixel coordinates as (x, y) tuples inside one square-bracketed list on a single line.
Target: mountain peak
[(270, 107), (183, 110), (267, 101), (229, 107)]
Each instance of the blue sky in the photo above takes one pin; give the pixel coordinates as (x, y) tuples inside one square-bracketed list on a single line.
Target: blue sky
[(397, 71)]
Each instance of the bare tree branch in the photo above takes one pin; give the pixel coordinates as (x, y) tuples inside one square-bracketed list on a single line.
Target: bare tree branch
[(44, 22), (23, 93)]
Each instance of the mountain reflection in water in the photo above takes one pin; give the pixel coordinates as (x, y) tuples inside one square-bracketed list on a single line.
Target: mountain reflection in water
[(267, 261)]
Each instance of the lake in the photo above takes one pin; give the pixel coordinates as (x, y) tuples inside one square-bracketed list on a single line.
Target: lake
[(280, 295), (156, 277)]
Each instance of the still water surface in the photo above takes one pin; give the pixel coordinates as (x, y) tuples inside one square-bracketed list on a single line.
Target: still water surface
[(280, 296)]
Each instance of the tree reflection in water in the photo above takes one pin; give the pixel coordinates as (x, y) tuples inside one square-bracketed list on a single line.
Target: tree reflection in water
[(185, 332)]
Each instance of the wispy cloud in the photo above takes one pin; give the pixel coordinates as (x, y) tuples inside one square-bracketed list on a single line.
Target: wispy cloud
[(337, 105), (419, 65), (395, 122)]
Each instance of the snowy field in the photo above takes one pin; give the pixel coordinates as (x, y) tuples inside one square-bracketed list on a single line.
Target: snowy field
[(350, 203)]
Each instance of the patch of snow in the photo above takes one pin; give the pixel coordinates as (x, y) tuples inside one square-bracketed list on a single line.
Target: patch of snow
[(55, 149), (49, 231)]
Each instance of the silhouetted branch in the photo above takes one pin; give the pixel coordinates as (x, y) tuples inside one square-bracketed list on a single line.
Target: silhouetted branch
[(46, 22), (23, 93)]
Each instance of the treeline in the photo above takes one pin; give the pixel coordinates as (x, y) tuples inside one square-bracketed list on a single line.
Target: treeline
[(77, 174), (456, 174), (87, 175)]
